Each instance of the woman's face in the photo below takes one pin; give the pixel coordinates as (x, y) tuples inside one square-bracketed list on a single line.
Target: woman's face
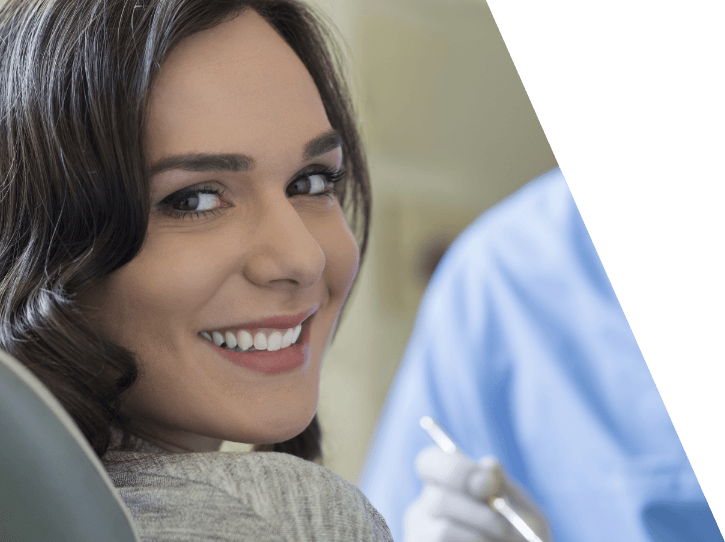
[(245, 241)]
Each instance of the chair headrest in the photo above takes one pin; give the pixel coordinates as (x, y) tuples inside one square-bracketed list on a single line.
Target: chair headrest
[(52, 484)]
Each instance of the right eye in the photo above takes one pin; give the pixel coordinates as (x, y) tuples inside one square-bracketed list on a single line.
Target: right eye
[(200, 201), (193, 202)]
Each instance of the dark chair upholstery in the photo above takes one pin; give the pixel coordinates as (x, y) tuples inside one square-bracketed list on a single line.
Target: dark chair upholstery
[(52, 485)]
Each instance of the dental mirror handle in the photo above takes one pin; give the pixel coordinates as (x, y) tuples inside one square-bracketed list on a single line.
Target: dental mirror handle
[(498, 503)]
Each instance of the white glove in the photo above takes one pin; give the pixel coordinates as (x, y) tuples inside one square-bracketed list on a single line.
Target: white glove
[(454, 503)]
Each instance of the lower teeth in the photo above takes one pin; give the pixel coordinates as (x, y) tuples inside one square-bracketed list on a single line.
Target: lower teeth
[(252, 349), (237, 349)]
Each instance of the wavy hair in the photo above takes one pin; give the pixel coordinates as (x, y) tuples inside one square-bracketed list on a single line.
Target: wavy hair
[(75, 76)]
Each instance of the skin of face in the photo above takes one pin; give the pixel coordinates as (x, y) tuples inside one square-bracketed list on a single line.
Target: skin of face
[(237, 88)]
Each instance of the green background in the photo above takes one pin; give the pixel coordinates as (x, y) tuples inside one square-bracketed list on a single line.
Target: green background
[(630, 97)]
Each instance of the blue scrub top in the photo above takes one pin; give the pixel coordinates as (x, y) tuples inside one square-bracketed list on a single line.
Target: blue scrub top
[(521, 350)]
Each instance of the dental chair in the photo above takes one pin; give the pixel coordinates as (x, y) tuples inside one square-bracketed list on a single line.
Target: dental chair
[(52, 485)]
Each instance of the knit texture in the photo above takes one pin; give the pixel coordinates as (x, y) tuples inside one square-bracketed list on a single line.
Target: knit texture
[(226, 496)]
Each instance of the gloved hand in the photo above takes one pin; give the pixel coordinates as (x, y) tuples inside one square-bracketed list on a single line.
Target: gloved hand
[(454, 504)]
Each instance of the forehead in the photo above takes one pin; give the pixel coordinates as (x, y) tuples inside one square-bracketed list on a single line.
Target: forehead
[(237, 87)]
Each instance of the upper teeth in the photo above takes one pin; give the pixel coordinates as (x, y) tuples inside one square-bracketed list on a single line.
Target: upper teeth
[(260, 339)]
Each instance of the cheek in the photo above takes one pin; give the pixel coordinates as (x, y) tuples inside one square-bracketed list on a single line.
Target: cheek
[(342, 258), (165, 282)]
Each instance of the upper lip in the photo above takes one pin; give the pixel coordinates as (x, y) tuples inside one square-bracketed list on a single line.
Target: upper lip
[(275, 322)]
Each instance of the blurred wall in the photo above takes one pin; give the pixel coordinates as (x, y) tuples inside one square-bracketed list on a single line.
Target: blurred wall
[(449, 131)]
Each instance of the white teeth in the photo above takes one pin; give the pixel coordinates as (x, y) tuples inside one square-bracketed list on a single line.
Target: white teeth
[(264, 339), (275, 341), (287, 338), (260, 341), (245, 341)]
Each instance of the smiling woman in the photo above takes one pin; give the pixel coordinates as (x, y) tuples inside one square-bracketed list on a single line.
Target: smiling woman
[(175, 250), (245, 239)]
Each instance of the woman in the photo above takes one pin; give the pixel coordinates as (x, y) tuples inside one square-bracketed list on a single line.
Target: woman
[(174, 250)]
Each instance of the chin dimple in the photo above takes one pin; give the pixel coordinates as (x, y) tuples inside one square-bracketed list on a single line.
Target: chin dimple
[(254, 340)]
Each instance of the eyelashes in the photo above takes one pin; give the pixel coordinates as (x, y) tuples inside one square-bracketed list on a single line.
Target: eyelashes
[(193, 202), (319, 182), (199, 201)]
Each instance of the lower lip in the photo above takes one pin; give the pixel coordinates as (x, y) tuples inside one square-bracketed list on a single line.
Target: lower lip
[(271, 363)]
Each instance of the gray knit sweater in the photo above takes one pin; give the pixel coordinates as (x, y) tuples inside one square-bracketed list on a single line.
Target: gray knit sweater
[(225, 496)]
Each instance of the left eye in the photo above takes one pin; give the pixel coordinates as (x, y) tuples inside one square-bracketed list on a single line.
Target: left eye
[(309, 185)]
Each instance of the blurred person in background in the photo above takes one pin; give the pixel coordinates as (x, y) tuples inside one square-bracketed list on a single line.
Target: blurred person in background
[(522, 352)]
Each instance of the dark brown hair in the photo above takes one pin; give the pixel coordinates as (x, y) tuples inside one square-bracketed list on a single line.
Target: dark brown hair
[(75, 76)]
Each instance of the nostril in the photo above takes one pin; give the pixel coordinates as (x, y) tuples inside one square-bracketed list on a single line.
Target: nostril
[(284, 249)]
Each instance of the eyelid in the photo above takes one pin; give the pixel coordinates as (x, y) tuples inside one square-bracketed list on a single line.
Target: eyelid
[(165, 205), (332, 172), (203, 188)]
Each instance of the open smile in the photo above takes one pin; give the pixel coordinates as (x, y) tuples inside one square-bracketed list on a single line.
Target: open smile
[(254, 340), (275, 348)]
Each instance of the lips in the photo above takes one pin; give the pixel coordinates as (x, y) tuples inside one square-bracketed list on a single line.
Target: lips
[(270, 346), (271, 363), (254, 339), (274, 322)]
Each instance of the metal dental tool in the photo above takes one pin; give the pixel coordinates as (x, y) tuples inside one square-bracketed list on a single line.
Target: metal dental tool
[(498, 503)]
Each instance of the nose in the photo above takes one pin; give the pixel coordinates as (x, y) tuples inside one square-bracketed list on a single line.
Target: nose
[(283, 252)]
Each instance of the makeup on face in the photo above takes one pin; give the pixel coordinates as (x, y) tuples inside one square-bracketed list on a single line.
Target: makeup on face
[(194, 185), (247, 245)]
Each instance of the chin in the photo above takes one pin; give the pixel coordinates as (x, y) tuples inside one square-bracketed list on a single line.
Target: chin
[(282, 430)]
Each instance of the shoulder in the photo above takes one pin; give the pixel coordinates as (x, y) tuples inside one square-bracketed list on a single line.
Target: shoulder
[(267, 496), (533, 238), (503, 244), (541, 209)]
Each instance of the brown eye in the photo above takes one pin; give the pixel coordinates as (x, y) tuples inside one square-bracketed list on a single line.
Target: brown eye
[(199, 201), (193, 201), (188, 204), (310, 185)]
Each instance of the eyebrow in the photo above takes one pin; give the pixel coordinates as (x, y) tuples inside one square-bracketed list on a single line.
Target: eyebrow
[(322, 144), (318, 146), (204, 162)]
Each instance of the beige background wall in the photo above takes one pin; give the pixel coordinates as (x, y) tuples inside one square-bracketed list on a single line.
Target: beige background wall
[(449, 131)]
